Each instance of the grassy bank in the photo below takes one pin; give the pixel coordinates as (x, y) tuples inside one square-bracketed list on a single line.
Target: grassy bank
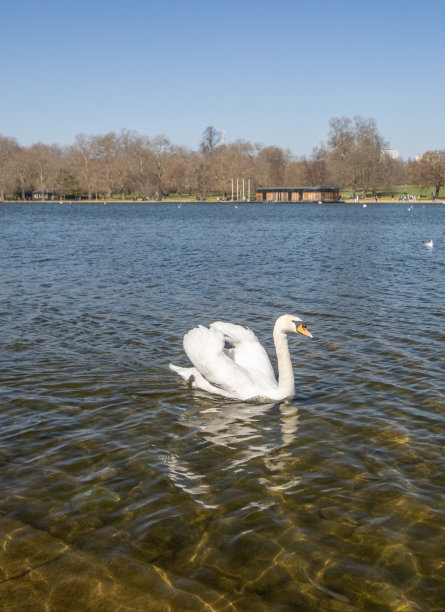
[(421, 194), (399, 193)]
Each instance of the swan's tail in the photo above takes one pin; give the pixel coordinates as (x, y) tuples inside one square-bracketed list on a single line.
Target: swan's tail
[(185, 373), (194, 379)]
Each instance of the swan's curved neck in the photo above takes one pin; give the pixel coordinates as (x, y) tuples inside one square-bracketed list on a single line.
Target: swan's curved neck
[(286, 381)]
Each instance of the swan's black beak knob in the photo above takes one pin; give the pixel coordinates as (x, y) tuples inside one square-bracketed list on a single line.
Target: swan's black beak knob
[(304, 330)]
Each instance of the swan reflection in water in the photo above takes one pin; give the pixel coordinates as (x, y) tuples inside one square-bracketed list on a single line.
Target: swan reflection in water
[(230, 423), (227, 436)]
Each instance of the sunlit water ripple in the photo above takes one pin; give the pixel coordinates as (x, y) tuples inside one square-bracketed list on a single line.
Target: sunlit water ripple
[(122, 489)]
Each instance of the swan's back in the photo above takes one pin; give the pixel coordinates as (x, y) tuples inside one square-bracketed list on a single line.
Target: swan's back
[(247, 351)]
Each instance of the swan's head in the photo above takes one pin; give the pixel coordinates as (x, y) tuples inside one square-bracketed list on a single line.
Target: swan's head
[(291, 324)]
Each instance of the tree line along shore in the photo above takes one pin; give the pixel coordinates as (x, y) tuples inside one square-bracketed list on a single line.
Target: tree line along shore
[(411, 198), (127, 166)]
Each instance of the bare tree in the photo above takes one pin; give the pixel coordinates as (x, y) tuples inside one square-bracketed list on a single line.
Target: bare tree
[(64, 180), (82, 161), (140, 165), (161, 149), (24, 171), (296, 172), (430, 171), (208, 168), (355, 152), (272, 163), (210, 139), (8, 149), (237, 161), (45, 161), (317, 171), (178, 182), (392, 173), (122, 163), (341, 160), (105, 150), (369, 147)]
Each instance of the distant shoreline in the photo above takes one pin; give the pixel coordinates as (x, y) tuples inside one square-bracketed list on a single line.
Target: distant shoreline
[(226, 202)]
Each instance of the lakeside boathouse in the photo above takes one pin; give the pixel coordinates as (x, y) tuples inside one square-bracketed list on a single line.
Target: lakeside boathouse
[(298, 194)]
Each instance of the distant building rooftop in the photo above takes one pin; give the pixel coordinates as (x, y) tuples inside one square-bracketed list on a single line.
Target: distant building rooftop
[(392, 153)]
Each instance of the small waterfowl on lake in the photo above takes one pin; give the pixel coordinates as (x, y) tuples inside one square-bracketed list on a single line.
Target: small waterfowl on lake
[(429, 244)]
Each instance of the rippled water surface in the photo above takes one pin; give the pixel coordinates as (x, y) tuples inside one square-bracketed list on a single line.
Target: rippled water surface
[(122, 489)]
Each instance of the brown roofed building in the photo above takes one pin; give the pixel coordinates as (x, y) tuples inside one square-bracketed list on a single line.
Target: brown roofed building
[(298, 194)]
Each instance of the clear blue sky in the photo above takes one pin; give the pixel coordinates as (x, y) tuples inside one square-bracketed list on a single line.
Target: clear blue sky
[(273, 72)]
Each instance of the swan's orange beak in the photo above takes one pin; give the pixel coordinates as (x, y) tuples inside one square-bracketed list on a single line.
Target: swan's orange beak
[(303, 330)]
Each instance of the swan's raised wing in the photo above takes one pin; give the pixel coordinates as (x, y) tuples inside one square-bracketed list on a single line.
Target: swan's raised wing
[(205, 349), (247, 351)]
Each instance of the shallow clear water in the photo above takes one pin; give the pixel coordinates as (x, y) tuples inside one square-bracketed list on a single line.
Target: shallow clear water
[(122, 489)]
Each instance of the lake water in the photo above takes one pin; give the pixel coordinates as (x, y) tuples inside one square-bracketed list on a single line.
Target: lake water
[(122, 489)]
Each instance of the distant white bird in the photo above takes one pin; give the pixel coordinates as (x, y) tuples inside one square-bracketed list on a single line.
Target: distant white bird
[(228, 360), (429, 244)]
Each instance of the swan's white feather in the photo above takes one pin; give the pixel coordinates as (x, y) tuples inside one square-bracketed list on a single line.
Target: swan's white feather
[(205, 349), (247, 351), (192, 376)]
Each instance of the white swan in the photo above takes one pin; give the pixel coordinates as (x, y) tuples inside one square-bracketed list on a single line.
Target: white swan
[(243, 369)]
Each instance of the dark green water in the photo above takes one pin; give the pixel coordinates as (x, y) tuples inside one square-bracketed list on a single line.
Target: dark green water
[(121, 489)]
